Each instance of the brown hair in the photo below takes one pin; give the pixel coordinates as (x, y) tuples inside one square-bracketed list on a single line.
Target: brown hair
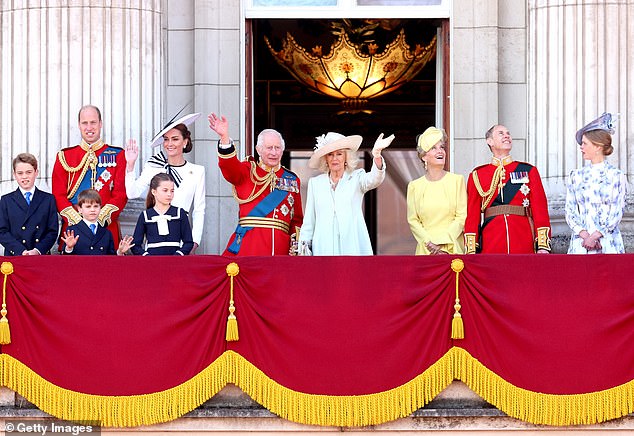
[(88, 196), (27, 158), (150, 201), (187, 136), (602, 139)]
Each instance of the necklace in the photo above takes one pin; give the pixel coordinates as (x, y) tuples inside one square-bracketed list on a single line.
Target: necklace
[(333, 183)]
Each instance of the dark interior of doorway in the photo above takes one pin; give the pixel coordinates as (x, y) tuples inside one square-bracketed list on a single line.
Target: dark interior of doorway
[(282, 103)]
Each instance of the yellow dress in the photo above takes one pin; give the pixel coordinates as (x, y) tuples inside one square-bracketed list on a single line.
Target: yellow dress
[(436, 212)]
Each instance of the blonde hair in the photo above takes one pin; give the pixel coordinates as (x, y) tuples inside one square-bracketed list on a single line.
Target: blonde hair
[(352, 161)]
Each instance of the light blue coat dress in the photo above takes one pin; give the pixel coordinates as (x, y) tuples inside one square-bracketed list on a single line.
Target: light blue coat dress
[(333, 219)]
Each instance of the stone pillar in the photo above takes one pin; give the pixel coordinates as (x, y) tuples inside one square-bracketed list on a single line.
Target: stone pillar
[(61, 54), (580, 65), (489, 78), (217, 64)]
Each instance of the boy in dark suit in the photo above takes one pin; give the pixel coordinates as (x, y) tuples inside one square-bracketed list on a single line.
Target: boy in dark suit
[(28, 216), (88, 236)]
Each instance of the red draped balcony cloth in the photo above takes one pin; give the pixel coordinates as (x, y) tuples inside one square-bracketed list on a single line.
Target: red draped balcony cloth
[(346, 341)]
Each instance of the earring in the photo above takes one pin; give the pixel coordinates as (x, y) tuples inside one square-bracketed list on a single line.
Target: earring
[(345, 164)]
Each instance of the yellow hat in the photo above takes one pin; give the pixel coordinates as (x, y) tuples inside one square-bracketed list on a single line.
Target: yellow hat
[(429, 138)]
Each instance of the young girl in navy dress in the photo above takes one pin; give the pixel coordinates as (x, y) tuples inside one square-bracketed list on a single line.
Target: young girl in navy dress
[(165, 228)]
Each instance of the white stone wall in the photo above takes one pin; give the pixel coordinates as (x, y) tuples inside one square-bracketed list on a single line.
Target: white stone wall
[(541, 67), (580, 65), (488, 45), (61, 54)]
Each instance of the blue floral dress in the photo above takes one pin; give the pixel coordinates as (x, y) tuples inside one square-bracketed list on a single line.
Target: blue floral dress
[(595, 200)]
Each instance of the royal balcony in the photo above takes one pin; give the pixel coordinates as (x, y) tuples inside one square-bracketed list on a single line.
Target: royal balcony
[(382, 343)]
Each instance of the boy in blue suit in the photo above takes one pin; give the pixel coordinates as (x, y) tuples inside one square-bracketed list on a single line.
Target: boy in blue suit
[(88, 236), (28, 216)]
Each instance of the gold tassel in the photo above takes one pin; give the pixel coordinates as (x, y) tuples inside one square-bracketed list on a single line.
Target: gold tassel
[(457, 327), (232, 321), (5, 332)]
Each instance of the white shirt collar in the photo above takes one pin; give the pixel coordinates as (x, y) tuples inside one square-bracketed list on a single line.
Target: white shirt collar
[(88, 223), (32, 191)]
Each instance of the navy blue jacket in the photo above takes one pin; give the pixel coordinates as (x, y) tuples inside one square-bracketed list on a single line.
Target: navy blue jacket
[(88, 243), (25, 227), (177, 241)]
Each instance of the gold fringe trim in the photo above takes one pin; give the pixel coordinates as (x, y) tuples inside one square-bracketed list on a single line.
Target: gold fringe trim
[(344, 410), (324, 410), (114, 411), (539, 408)]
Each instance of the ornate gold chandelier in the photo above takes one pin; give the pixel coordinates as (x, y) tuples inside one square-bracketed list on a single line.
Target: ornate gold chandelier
[(350, 75)]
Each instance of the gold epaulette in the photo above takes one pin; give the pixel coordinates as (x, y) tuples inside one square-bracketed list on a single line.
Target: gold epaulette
[(105, 215), (62, 160), (72, 216)]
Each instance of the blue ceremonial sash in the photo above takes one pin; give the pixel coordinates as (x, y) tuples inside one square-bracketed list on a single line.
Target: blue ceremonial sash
[(262, 209), (106, 159)]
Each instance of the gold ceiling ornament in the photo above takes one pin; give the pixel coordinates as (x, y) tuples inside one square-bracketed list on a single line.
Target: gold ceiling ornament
[(350, 75)]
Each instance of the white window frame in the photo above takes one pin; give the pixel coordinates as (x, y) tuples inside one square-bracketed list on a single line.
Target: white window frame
[(346, 9), (343, 9)]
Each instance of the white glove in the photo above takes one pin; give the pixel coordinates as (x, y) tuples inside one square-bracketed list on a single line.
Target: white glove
[(380, 144)]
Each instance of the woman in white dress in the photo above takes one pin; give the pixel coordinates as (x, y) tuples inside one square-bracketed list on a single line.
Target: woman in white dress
[(595, 196), (189, 178), (333, 219)]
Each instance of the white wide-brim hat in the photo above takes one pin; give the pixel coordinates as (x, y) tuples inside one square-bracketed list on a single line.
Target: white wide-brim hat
[(330, 142), (187, 120)]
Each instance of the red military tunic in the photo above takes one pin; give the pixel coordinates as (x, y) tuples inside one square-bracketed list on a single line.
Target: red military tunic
[(495, 227), (101, 168), (270, 235)]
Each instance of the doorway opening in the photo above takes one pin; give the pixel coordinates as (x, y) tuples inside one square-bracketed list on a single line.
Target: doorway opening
[(275, 99)]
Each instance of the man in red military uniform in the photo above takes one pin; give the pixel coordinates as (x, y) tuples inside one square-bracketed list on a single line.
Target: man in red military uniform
[(90, 165), (507, 209), (268, 194)]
